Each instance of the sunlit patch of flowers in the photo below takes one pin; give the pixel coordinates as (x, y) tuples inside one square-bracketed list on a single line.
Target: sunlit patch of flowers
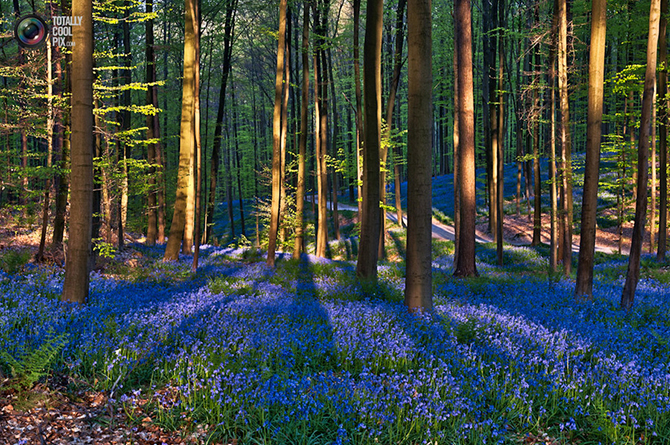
[(306, 352)]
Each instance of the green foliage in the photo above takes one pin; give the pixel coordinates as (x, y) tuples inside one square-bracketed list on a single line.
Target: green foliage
[(466, 332), (28, 367), (12, 261), (104, 249)]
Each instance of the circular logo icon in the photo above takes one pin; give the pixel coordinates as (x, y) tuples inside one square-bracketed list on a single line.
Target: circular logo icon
[(30, 31)]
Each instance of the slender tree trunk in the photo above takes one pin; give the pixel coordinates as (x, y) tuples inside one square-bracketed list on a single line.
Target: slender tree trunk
[(652, 192), (500, 190), (359, 108), (553, 248), (51, 118), (197, 154), (237, 161), (663, 136), (566, 157), (302, 144), (536, 114), (276, 139), (465, 262), (418, 284), (152, 133), (187, 136), (75, 285), (390, 104), (456, 181), (368, 250), (587, 240), (335, 145), (633, 273)]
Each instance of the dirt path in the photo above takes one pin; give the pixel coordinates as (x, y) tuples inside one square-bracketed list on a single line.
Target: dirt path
[(517, 231)]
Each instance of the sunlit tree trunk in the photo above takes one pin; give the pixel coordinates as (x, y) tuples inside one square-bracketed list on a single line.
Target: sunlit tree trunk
[(368, 250), (418, 282), (456, 181), (633, 272), (187, 132), (465, 263), (663, 135), (276, 139), (587, 240), (75, 285), (566, 157), (500, 189)]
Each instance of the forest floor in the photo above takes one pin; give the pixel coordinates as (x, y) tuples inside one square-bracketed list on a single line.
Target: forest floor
[(69, 412)]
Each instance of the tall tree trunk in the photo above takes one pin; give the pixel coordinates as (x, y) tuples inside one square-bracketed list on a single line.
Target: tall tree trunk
[(395, 80), (418, 284), (152, 130), (197, 154), (566, 157), (456, 180), (500, 190), (359, 108), (587, 240), (633, 272), (302, 144), (321, 146), (536, 115), (75, 285), (237, 161), (652, 192), (465, 263), (368, 250), (554, 239), (276, 139), (187, 132), (51, 122), (663, 136), (125, 121), (334, 145), (218, 131)]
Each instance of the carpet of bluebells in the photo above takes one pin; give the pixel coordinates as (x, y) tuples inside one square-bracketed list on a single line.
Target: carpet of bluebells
[(306, 354)]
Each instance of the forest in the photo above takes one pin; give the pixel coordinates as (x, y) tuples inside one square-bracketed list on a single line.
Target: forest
[(334, 221)]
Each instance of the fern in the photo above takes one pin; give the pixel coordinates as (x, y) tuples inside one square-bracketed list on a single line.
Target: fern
[(29, 367)]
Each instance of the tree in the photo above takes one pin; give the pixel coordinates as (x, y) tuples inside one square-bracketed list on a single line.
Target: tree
[(187, 131), (302, 146), (75, 286), (465, 262), (566, 158), (633, 272), (663, 135), (366, 266), (276, 138), (587, 240), (418, 282)]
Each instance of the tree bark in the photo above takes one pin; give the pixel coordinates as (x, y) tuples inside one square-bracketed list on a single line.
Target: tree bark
[(276, 139), (587, 240), (465, 263), (75, 285), (187, 136), (633, 272), (368, 250), (566, 157), (663, 136), (302, 144), (418, 281)]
